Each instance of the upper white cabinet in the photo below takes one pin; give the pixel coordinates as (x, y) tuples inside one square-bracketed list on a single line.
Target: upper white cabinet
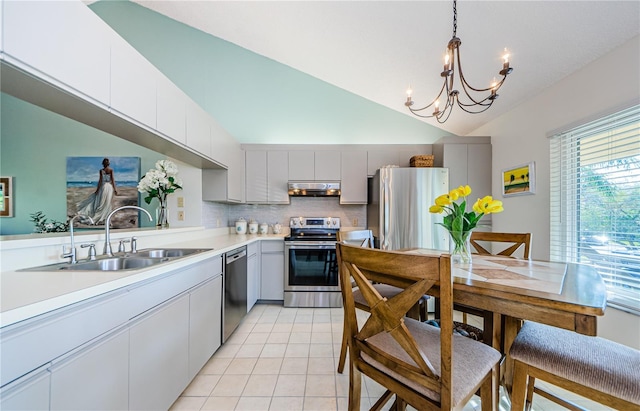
[(385, 157), (171, 110), (354, 177), (198, 129), (61, 41), (277, 177), (133, 84), (301, 166), (314, 165), (266, 176), (327, 165), (468, 164), (256, 176)]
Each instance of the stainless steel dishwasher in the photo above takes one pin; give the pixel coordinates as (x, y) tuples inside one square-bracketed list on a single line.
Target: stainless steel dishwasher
[(235, 290)]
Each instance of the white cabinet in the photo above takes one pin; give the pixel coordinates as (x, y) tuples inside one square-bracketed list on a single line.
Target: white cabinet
[(256, 176), (31, 392), (354, 177), (60, 40), (94, 378), (198, 129), (133, 84), (327, 165), (159, 356), (468, 164), (301, 166), (272, 270), (171, 110), (277, 177), (253, 274), (314, 165), (205, 323), (391, 156), (267, 174)]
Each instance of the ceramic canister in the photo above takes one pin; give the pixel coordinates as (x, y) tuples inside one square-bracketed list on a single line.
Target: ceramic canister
[(241, 226), (264, 228), (253, 227)]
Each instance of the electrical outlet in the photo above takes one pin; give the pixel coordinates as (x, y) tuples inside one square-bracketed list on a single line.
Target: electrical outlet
[(355, 222), (180, 215), (180, 201)]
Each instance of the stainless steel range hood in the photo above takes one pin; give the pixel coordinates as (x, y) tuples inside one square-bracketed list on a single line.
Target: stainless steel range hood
[(314, 189)]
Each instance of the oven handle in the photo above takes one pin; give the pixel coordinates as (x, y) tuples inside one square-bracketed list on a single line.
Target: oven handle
[(310, 245)]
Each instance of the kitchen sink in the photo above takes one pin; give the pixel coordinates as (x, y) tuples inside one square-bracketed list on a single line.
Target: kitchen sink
[(130, 261), (167, 252), (103, 264)]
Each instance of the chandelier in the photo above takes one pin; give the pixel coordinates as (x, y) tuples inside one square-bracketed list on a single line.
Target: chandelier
[(470, 104)]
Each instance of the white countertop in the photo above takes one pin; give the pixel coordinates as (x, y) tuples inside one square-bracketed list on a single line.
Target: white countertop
[(26, 294)]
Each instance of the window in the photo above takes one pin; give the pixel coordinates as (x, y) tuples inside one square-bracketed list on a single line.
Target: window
[(595, 202)]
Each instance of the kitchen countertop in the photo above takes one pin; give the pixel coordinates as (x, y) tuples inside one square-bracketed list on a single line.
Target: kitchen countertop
[(26, 294)]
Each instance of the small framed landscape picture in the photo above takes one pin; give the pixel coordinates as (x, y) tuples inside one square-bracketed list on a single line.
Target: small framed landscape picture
[(519, 180), (6, 197)]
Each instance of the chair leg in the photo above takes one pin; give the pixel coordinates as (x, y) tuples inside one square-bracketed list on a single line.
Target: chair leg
[(519, 387), (355, 387), (343, 347), (382, 401), (531, 383)]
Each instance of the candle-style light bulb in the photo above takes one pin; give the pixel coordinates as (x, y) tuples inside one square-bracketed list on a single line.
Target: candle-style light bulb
[(436, 110), (409, 92), (505, 56), (409, 102), (494, 85)]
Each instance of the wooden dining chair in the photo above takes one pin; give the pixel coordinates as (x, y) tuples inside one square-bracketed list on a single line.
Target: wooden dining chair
[(592, 367), (513, 242), (364, 238), (426, 367)]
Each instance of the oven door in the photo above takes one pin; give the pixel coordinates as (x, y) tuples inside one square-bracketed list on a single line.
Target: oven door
[(310, 266)]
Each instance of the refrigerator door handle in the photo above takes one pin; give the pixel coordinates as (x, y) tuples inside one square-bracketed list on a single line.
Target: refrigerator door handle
[(384, 243)]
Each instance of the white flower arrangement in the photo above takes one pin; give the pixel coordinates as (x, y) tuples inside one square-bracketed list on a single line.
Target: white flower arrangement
[(160, 181)]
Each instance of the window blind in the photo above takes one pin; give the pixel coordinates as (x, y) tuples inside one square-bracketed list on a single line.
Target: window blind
[(595, 202)]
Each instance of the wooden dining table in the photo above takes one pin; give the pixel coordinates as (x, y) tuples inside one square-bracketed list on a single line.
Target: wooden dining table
[(509, 290)]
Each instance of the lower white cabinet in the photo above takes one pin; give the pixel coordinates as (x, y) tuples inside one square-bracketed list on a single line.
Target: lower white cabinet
[(205, 323), (28, 393), (272, 270), (135, 348), (253, 274), (159, 356), (93, 378)]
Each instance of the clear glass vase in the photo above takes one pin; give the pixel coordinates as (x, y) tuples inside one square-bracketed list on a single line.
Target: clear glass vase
[(162, 214), (460, 247)]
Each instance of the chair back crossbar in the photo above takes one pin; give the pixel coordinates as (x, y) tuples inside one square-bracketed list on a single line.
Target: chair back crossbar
[(516, 240)]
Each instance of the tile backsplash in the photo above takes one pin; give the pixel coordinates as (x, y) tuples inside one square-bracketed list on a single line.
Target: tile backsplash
[(352, 215)]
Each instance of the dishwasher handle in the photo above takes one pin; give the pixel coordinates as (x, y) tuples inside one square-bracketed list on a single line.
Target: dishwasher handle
[(235, 255)]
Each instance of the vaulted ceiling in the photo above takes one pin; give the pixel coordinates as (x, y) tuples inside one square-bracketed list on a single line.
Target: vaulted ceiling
[(376, 49)]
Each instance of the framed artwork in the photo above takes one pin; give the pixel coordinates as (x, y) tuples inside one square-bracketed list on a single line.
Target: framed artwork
[(6, 196), (98, 185), (519, 180)]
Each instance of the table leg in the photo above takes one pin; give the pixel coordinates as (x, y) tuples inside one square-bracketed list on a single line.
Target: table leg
[(511, 327)]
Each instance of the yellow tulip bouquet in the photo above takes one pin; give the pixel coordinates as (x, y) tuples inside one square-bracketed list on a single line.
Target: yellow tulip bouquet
[(460, 223)]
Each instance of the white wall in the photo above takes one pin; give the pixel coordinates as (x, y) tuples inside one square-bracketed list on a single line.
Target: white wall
[(521, 135)]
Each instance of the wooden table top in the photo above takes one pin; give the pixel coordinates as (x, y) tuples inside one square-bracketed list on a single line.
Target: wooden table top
[(563, 286)]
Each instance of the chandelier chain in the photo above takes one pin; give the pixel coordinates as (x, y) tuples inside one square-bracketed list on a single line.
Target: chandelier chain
[(455, 18)]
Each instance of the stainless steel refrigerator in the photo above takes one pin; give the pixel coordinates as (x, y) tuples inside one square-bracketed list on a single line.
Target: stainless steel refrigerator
[(398, 207)]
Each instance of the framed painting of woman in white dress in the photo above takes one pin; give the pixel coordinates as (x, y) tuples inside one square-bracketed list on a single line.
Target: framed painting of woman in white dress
[(98, 185)]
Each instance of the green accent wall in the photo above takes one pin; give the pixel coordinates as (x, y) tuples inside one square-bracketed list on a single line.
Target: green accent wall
[(256, 99), (35, 146)]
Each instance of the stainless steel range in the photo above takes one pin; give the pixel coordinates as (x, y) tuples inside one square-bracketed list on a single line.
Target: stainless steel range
[(311, 270)]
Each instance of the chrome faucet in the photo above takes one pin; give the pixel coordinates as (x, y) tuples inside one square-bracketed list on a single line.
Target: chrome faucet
[(72, 253), (107, 239)]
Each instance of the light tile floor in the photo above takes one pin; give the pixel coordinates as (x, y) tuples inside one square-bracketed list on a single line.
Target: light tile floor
[(285, 359)]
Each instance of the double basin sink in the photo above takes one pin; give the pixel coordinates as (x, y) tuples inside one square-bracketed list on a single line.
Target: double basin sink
[(127, 261)]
